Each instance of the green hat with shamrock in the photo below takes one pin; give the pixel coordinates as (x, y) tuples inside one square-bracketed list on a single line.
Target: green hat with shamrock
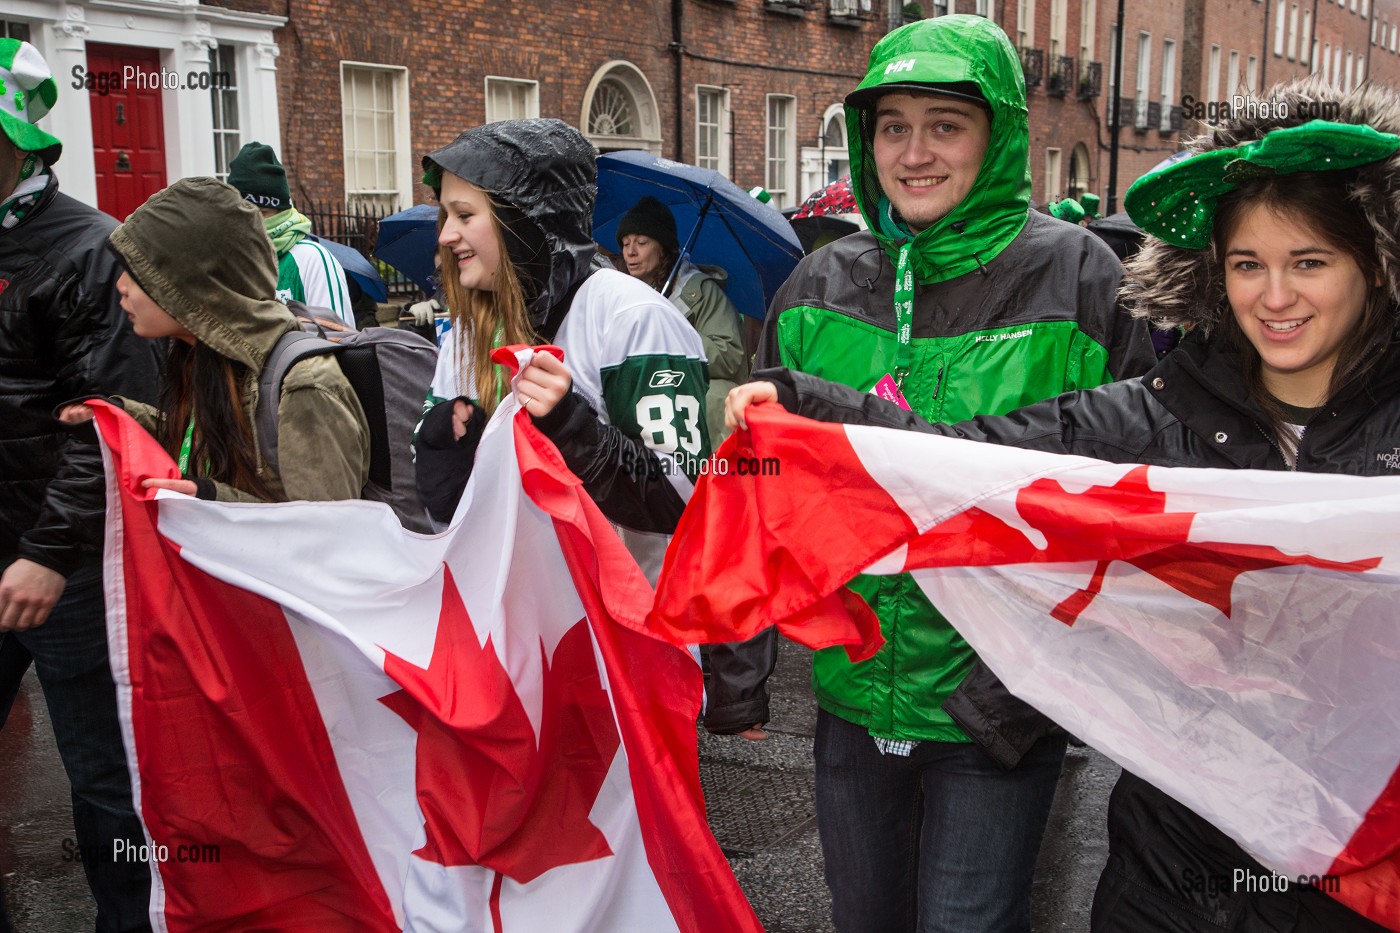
[(27, 92)]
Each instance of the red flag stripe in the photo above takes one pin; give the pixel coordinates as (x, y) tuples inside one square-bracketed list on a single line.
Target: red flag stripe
[(290, 854)]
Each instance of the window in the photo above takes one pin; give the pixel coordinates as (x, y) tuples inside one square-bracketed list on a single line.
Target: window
[(1337, 65), (374, 114), (1279, 25), (940, 8), (619, 111), (1078, 172), (1360, 70), (1025, 23), (511, 99), (1305, 53), (1251, 74), (1144, 78), (1344, 79), (1057, 31), (1052, 175), (712, 128), (1365, 8), (1087, 15), (1316, 60), (1326, 63), (1214, 80), (18, 31), (1232, 74), (1393, 33), (781, 159), (223, 102), (1168, 82), (986, 8), (1113, 63), (1292, 31)]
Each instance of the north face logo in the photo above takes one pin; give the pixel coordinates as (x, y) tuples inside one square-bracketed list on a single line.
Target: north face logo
[(905, 64), (666, 378)]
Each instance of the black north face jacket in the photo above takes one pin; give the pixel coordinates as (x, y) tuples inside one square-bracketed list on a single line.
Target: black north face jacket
[(62, 336)]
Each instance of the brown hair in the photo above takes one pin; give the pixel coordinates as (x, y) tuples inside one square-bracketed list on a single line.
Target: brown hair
[(486, 319), (201, 384), (1325, 204)]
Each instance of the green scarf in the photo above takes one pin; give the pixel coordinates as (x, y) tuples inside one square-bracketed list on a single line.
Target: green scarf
[(287, 229), (34, 180)]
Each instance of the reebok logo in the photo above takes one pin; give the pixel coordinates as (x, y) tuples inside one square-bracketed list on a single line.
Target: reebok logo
[(666, 379), (904, 64)]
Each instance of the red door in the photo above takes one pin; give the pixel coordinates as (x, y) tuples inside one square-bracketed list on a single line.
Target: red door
[(128, 136)]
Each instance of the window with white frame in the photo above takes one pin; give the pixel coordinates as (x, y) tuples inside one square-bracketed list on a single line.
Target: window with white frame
[(223, 100), (1360, 70), (1365, 8), (1144, 78), (1305, 48), (1316, 60), (1025, 23), (1326, 62), (1057, 31), (1052, 175), (1344, 82), (1279, 26), (1232, 74), (1394, 44), (1088, 11), (986, 8), (1214, 80), (511, 99), (712, 128), (374, 115), (1292, 31), (940, 7), (1251, 74), (1168, 82), (781, 156)]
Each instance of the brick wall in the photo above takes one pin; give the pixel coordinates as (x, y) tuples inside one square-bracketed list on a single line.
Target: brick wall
[(753, 47)]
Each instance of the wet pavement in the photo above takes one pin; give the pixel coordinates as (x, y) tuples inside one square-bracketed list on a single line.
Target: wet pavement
[(761, 810)]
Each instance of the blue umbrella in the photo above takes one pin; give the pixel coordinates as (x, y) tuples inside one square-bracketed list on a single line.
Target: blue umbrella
[(720, 223), (356, 267), (408, 241)]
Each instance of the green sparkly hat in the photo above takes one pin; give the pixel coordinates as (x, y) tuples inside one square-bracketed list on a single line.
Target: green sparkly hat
[(1176, 203)]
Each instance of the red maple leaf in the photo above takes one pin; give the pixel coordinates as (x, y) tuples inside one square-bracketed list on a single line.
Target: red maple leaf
[(1127, 521), (492, 794)]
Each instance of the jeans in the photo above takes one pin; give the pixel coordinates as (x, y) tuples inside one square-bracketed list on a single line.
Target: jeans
[(70, 659), (943, 841)]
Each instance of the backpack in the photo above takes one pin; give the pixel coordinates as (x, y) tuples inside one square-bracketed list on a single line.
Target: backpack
[(389, 370)]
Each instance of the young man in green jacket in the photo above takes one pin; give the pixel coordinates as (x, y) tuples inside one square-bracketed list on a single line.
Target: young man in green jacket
[(933, 786)]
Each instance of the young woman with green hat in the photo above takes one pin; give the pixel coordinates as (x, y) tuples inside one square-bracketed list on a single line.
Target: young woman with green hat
[(1275, 246)]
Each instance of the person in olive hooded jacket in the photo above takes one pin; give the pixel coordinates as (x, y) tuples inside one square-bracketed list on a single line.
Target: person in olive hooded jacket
[(199, 269), (958, 301)]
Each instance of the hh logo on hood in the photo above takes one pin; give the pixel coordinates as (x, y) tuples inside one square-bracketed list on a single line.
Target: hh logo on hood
[(665, 379), (905, 64)]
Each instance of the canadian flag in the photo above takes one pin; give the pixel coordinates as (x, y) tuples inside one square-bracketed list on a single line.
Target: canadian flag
[(1231, 636), (335, 724)]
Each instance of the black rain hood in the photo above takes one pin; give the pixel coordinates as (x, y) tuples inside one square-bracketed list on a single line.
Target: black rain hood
[(541, 176), (1174, 286)]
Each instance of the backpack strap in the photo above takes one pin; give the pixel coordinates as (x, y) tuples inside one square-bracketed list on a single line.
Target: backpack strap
[(290, 349)]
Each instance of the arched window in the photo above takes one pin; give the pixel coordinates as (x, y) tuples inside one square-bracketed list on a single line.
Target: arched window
[(1078, 172), (619, 110)]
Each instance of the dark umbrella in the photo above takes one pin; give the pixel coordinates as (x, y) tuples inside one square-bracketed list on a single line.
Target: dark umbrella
[(1122, 235), (836, 198), (816, 231), (356, 267), (719, 222), (408, 242)]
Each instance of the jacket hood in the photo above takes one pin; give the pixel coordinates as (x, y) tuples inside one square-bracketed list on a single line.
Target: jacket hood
[(201, 252), (958, 49), (545, 175), (1174, 286)]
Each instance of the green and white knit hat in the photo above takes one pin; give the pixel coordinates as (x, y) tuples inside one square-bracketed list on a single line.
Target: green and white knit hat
[(27, 93)]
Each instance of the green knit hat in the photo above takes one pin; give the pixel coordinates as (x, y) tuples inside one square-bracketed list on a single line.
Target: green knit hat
[(27, 92), (259, 177)]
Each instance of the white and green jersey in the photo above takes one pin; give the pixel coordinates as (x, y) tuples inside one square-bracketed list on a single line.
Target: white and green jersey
[(636, 360), (310, 274)]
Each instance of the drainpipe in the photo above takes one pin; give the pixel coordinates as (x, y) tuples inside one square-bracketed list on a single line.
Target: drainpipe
[(677, 48), (1113, 125)]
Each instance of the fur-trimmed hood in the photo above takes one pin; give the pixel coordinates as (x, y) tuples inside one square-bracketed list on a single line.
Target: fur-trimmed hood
[(1173, 286)]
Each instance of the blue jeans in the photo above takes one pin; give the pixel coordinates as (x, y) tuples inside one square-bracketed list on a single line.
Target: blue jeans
[(943, 841), (70, 659)]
